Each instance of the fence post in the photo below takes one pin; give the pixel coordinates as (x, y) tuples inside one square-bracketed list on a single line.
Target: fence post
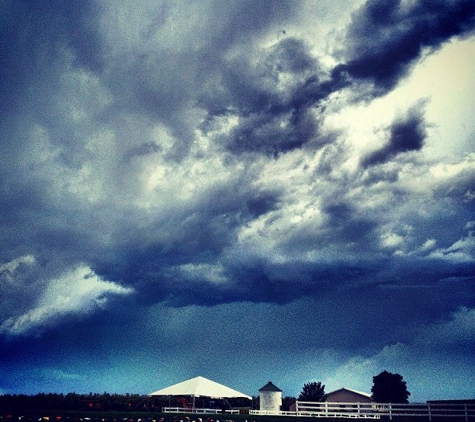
[(358, 409), (428, 410), (465, 410), (390, 412)]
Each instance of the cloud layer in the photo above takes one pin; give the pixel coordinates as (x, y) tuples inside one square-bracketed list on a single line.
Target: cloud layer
[(264, 165), (76, 293)]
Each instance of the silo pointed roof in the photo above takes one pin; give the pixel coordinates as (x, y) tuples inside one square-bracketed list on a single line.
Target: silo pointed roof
[(270, 387)]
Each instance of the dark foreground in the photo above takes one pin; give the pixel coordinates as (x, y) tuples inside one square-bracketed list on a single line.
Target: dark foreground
[(169, 417), (145, 417)]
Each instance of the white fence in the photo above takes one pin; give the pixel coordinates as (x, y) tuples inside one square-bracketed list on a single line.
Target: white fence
[(429, 411), (189, 410), (419, 411), (200, 410), (337, 410)]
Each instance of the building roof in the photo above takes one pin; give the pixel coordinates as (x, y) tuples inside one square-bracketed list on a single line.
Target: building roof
[(270, 387), (199, 387), (353, 391)]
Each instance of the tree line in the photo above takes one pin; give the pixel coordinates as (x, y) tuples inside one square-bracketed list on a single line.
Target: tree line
[(71, 401), (15, 403)]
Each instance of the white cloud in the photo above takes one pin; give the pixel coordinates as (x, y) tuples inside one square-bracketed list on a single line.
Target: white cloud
[(76, 292), (459, 329), (444, 79), (8, 269), (199, 272), (461, 251)]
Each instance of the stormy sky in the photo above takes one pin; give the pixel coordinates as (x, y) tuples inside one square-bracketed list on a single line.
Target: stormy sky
[(243, 190)]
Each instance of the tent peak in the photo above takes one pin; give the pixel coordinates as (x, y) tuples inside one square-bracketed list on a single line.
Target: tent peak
[(197, 387)]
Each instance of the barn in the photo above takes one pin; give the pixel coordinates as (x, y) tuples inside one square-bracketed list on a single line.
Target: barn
[(347, 395)]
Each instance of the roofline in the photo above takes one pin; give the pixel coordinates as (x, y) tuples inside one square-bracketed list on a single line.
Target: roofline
[(351, 390), (234, 393), (272, 387), (244, 396)]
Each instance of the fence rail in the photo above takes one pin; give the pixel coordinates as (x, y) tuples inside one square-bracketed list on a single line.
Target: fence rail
[(429, 411), (189, 410), (418, 411)]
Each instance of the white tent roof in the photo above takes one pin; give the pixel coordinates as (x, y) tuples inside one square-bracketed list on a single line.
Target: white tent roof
[(197, 387)]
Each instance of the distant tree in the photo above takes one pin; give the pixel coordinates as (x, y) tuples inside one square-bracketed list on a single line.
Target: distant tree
[(389, 388), (312, 391)]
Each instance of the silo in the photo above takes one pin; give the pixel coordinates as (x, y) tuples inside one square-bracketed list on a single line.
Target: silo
[(270, 398)]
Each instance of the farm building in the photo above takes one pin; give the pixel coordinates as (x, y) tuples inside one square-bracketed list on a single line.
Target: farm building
[(346, 395)]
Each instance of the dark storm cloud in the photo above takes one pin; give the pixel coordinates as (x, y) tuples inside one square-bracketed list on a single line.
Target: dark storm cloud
[(169, 168), (198, 233), (258, 280), (199, 52), (387, 36), (146, 148), (346, 225), (406, 133), (384, 39), (34, 35), (273, 99), (275, 92)]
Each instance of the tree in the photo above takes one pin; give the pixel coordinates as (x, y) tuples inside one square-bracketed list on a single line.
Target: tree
[(312, 391), (389, 388)]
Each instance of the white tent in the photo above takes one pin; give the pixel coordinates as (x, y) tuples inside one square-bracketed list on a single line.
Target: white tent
[(199, 387)]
